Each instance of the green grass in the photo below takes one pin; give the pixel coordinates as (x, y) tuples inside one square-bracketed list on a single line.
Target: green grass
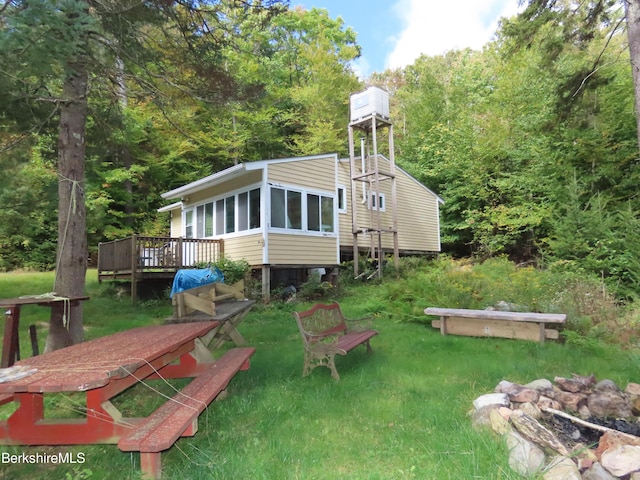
[(400, 413)]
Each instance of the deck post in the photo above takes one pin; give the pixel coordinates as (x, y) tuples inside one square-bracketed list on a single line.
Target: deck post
[(179, 254), (266, 282), (134, 264)]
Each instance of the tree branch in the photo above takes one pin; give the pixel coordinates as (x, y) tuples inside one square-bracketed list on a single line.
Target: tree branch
[(35, 129), (584, 423), (595, 66)]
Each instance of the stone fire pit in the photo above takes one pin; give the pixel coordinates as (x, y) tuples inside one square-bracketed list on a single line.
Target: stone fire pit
[(571, 428)]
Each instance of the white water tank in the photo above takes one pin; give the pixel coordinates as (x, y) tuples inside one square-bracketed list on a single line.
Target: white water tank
[(373, 101)]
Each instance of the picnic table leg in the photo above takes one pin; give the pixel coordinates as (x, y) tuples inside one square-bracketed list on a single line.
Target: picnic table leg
[(151, 465), (23, 420), (10, 342), (443, 325), (229, 331), (541, 326)]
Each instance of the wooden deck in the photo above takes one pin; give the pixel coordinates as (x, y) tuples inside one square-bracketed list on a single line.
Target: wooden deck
[(138, 258)]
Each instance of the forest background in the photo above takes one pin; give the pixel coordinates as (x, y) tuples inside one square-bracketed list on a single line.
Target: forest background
[(531, 142)]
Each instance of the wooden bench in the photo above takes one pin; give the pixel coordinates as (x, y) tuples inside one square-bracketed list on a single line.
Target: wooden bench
[(326, 333), (179, 415), (494, 323)]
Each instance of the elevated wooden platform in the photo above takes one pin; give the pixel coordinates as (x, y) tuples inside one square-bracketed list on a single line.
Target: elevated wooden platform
[(138, 258)]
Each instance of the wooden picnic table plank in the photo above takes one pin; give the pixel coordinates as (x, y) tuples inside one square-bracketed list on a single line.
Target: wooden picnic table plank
[(38, 300), (93, 363)]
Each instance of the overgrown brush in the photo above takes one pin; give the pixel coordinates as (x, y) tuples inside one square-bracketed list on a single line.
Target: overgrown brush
[(592, 310)]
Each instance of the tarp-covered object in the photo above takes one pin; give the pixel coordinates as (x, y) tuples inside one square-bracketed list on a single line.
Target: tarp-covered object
[(186, 279)]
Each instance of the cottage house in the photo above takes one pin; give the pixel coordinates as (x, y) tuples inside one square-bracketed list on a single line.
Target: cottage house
[(287, 216)]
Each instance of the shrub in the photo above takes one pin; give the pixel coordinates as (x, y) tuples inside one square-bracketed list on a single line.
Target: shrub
[(592, 310), (233, 270), (314, 288)]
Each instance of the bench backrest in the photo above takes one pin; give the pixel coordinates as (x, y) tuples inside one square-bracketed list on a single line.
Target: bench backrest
[(321, 319)]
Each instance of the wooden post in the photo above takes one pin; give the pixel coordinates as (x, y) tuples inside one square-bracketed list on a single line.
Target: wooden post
[(10, 341), (394, 204), (34, 340), (354, 196), (376, 194), (134, 262), (266, 282), (443, 325), (179, 254)]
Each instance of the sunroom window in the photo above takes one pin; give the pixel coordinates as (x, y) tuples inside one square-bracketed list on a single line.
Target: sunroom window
[(299, 210), (234, 213)]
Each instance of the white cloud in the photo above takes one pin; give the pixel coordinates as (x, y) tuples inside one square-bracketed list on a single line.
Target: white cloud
[(361, 67), (434, 27)]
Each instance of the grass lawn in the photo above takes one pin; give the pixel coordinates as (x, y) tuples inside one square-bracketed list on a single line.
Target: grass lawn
[(399, 413)]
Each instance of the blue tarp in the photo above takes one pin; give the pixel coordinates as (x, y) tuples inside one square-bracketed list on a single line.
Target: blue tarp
[(186, 279)]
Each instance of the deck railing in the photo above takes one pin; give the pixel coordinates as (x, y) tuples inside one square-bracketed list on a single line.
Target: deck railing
[(139, 254)]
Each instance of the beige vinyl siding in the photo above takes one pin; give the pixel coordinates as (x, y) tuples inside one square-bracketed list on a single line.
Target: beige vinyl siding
[(176, 223), (247, 247), (302, 250), (417, 212), (316, 174), (417, 216), (251, 178)]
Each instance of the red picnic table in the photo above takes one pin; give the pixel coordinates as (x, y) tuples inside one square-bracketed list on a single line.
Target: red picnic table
[(105, 367)]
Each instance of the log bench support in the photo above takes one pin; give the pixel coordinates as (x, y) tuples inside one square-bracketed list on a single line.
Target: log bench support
[(179, 416), (492, 323), (326, 333)]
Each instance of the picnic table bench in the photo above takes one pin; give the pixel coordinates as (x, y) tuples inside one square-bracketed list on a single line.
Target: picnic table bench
[(496, 323), (179, 416), (105, 367), (326, 333)]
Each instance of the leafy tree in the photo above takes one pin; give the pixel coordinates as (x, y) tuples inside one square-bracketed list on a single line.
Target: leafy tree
[(498, 133), (51, 51), (303, 61), (27, 229)]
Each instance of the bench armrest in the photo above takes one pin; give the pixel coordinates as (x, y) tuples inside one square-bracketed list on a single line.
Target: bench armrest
[(322, 344), (321, 337), (359, 325)]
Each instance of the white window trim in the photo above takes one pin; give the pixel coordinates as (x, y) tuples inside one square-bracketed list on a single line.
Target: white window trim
[(191, 209), (380, 196), (344, 198), (304, 231), (223, 196)]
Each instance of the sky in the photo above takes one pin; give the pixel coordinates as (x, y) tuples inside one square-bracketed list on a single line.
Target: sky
[(393, 33)]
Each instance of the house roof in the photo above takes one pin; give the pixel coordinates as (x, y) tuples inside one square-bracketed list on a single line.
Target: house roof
[(242, 168), (229, 174), (173, 206)]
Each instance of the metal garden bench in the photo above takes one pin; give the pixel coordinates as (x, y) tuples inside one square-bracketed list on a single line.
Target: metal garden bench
[(326, 333)]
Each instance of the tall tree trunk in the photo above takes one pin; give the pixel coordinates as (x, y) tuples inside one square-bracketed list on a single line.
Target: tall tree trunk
[(632, 12), (71, 265)]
